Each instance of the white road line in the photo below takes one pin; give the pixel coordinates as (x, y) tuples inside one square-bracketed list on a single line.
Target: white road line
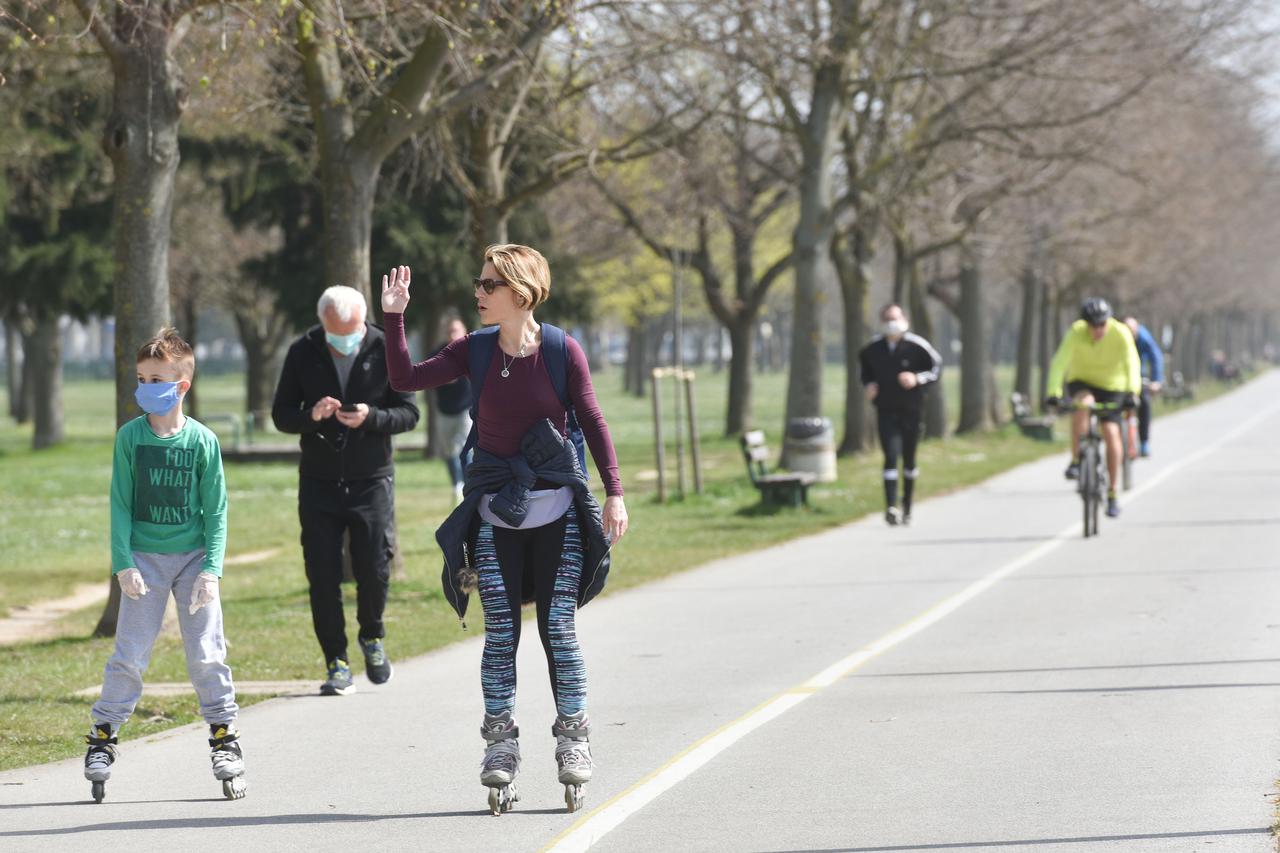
[(609, 815)]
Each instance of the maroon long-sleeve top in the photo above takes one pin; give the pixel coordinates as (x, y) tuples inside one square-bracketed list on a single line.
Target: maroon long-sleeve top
[(511, 405)]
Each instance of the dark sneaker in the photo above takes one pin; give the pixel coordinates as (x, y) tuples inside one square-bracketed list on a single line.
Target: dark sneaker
[(906, 519), (339, 682), (1073, 471), (892, 516), (376, 664), (1113, 508)]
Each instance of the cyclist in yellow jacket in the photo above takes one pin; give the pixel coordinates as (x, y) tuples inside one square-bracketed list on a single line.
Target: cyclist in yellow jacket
[(1099, 361)]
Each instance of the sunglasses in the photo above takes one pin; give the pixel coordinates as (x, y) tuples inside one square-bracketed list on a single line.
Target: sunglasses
[(489, 285)]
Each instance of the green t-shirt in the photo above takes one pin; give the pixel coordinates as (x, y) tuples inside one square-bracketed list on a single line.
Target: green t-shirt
[(167, 494)]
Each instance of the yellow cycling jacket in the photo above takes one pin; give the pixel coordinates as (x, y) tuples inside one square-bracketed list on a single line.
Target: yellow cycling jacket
[(1110, 364)]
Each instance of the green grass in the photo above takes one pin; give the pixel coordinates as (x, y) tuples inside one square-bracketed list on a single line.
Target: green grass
[(53, 535)]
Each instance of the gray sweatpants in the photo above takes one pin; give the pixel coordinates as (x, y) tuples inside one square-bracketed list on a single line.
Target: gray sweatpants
[(139, 625)]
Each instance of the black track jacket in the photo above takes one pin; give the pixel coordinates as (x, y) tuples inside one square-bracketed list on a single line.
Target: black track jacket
[(881, 365)]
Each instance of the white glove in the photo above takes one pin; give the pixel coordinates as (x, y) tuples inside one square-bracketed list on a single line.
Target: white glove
[(204, 592), (132, 584)]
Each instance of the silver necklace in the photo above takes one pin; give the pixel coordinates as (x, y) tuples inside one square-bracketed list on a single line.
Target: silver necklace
[(506, 365)]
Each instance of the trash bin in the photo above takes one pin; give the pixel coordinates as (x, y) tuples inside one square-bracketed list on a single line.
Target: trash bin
[(810, 445)]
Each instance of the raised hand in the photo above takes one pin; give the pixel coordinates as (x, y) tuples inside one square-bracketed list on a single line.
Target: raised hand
[(395, 290)]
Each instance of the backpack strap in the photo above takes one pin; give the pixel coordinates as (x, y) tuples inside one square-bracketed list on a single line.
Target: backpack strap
[(555, 354)]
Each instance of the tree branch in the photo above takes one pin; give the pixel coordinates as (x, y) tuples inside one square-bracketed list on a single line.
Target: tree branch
[(100, 28)]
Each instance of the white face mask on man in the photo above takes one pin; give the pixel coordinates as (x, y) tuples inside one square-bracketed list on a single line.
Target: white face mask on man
[(894, 328)]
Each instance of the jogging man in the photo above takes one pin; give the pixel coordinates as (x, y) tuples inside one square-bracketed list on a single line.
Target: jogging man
[(1099, 361), (897, 367)]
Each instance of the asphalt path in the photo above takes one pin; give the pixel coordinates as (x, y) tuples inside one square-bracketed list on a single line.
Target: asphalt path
[(983, 680)]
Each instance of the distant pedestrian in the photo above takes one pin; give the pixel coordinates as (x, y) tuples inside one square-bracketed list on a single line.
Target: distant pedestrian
[(453, 411), (333, 391), (897, 368)]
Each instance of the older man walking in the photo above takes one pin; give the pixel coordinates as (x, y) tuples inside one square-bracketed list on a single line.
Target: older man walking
[(333, 391)]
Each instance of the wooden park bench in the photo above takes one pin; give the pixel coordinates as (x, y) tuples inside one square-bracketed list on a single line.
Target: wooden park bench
[(1039, 427), (788, 489)]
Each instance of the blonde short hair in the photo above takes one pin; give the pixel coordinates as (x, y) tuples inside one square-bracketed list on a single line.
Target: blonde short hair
[(168, 345), (524, 269)]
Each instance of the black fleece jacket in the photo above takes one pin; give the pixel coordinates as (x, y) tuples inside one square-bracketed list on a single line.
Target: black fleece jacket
[(331, 451)]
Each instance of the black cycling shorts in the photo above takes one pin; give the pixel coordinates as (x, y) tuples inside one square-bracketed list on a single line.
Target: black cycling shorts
[(1100, 395)]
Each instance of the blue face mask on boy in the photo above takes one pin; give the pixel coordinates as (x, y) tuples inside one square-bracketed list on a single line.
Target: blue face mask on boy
[(345, 344), (157, 398)]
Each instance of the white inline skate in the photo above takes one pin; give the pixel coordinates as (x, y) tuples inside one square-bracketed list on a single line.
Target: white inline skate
[(99, 758), (228, 759), (501, 762), (573, 756)]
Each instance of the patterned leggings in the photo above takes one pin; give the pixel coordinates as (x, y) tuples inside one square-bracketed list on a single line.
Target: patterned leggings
[(548, 558)]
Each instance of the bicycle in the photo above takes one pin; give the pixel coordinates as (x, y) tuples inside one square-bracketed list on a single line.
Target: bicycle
[(1093, 480)]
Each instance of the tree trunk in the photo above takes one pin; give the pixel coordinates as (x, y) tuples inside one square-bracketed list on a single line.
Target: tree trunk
[(1191, 356), (12, 367), (262, 335), (852, 270), (488, 227), (141, 138), (633, 381), (935, 401), (429, 325), (742, 342), (46, 371), (974, 413), (1047, 338), (591, 346), (190, 333), (27, 383), (811, 243), (1026, 333), (348, 185)]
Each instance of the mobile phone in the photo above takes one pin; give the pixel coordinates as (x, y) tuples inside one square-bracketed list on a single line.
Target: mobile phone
[(348, 407)]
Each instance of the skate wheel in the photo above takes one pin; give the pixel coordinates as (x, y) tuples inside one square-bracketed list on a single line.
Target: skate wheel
[(99, 791), (234, 788), (495, 802), (573, 797)]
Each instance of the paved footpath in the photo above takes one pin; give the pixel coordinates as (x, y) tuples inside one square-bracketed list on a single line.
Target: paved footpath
[(984, 680)]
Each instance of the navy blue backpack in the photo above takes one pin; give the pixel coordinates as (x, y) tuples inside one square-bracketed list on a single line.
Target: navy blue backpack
[(555, 353)]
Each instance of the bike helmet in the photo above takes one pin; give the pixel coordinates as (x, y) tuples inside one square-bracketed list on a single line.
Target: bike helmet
[(1095, 311)]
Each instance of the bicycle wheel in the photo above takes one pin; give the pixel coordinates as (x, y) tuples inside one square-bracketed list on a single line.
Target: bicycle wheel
[(1126, 453), (1089, 485)]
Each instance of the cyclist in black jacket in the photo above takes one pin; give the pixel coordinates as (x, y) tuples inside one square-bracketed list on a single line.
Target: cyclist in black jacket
[(334, 391), (897, 368)]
